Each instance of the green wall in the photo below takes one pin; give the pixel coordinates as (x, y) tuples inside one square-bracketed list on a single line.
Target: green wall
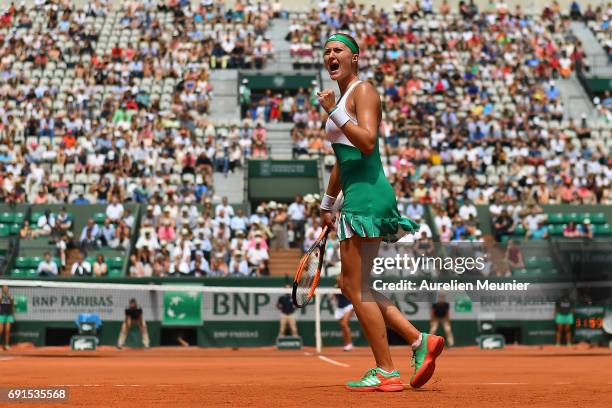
[(263, 333)]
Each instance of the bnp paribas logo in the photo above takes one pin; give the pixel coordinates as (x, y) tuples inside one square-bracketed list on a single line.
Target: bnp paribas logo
[(182, 308), (21, 304), (279, 81)]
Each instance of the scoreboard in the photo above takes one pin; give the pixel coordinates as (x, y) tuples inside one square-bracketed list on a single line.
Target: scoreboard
[(588, 322)]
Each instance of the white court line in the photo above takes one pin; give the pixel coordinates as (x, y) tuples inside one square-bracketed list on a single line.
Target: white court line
[(6, 358), (505, 383), (491, 383), (112, 385), (334, 362), (150, 385)]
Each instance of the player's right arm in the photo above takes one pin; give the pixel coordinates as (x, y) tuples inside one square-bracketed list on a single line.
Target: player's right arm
[(333, 190)]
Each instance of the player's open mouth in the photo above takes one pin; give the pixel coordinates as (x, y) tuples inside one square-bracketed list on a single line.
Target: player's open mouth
[(334, 67)]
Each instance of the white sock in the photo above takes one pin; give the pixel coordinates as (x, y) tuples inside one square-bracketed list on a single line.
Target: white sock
[(417, 342), (385, 371)]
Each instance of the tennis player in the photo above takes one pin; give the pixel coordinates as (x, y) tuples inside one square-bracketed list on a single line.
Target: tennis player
[(368, 215), (343, 314), (7, 315)]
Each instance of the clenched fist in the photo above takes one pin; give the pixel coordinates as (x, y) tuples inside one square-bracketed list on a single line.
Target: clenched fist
[(327, 99)]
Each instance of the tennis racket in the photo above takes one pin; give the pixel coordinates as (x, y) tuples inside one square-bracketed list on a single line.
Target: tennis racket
[(309, 271)]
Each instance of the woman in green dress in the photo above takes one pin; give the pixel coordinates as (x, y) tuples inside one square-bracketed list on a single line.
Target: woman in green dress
[(368, 215), (7, 315)]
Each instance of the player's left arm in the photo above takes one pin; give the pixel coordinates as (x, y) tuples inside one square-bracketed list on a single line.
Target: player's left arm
[(367, 109)]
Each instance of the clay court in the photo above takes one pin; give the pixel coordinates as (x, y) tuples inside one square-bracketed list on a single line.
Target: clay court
[(465, 377)]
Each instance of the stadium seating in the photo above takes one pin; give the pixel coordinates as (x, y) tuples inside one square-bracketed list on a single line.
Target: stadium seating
[(458, 115)]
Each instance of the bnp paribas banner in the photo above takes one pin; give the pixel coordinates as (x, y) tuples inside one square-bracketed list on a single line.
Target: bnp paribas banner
[(58, 304), (263, 306), (196, 307)]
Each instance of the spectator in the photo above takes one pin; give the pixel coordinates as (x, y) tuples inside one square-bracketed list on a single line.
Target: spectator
[(166, 231), (47, 267), (26, 232), (467, 210), (514, 256), (414, 210), (62, 246), (238, 265), (44, 224), (137, 268), (571, 231), (586, 230), (540, 232), (89, 241), (218, 266), (239, 222), (503, 225), (245, 97), (258, 258), (107, 234), (199, 266), (81, 267), (64, 220), (90, 231), (224, 208), (279, 227), (147, 243), (100, 268), (115, 210), (575, 13)]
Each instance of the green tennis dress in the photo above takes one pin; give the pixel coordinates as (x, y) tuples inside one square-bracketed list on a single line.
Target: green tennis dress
[(369, 208)]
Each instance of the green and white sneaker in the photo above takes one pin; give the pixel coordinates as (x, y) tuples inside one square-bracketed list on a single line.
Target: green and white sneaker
[(376, 379), (424, 359)]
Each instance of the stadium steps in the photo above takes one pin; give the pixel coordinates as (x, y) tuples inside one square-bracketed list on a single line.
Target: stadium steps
[(575, 100), (284, 261), (277, 33), (279, 141), (230, 186), (224, 106), (596, 56)]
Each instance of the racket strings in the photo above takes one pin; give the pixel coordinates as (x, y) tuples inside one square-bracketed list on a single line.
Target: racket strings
[(307, 277)]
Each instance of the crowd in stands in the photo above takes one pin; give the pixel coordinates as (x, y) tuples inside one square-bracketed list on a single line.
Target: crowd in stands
[(211, 241), (471, 110), (598, 20), (300, 108), (99, 102), (107, 106)]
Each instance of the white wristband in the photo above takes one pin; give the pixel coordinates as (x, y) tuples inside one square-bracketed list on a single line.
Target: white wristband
[(327, 203), (339, 117)]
